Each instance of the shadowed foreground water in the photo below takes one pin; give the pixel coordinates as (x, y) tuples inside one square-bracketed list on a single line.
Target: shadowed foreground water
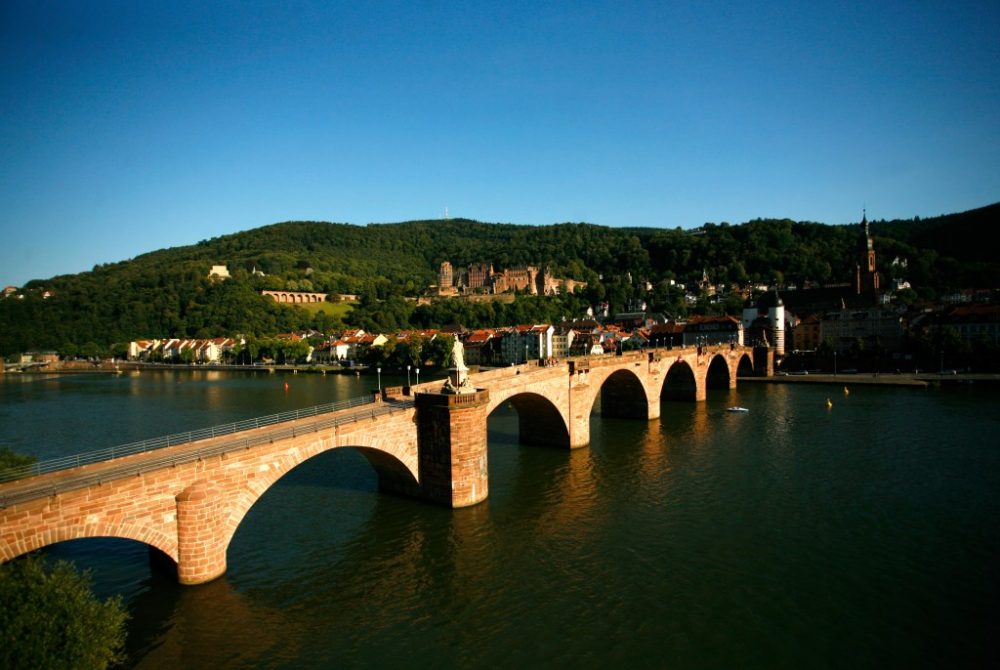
[(793, 536)]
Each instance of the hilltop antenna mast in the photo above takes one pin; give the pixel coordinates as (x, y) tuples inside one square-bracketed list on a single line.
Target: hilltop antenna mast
[(446, 217)]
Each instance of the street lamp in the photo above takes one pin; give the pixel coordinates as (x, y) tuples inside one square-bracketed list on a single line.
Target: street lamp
[(835, 363), (407, 375), (379, 371), (525, 353), (418, 376)]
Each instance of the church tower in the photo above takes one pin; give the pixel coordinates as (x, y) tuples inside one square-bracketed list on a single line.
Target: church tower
[(867, 276)]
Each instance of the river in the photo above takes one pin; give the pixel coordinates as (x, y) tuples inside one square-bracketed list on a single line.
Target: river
[(796, 535)]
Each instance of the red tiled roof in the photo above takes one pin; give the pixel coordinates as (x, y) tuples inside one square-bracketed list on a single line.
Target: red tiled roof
[(479, 337), (712, 319)]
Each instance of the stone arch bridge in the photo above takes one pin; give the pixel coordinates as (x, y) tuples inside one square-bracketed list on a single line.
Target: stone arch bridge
[(187, 500)]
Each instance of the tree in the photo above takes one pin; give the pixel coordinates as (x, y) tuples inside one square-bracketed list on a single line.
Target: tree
[(10, 460), (51, 618), (438, 351), (90, 350)]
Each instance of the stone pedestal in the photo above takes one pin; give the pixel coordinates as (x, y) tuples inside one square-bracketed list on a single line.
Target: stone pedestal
[(451, 433)]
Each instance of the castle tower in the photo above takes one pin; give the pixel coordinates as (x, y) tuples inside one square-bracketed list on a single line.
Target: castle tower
[(866, 280), (445, 277)]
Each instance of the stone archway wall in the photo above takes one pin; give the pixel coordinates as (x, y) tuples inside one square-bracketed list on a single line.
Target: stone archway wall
[(394, 439), (541, 417), (295, 297), (190, 510), (680, 382), (623, 396), (539, 421), (73, 524), (718, 374)]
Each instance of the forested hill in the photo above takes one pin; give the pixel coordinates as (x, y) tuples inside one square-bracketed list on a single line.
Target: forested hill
[(168, 293)]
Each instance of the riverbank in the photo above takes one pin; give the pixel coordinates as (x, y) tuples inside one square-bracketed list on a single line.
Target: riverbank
[(919, 380), (80, 367)]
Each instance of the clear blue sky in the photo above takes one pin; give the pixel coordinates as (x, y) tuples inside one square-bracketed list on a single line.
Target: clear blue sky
[(131, 126)]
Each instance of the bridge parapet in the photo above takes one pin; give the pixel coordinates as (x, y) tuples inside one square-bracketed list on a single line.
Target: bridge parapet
[(427, 399)]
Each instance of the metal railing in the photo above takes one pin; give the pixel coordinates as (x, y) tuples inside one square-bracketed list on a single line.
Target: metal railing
[(108, 453)]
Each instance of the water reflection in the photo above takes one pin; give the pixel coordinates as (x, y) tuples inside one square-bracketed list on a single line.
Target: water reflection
[(654, 454), (214, 625), (701, 539)]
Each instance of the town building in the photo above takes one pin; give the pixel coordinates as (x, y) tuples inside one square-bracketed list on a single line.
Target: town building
[(879, 325), (712, 330), (807, 334), (975, 323), (562, 341)]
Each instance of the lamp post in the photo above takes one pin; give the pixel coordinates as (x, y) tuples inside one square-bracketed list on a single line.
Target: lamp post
[(418, 376), (835, 363), (525, 353), (379, 372), (407, 375)]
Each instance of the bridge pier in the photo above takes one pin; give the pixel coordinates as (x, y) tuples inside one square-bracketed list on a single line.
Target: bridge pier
[(451, 434), (763, 361), (201, 547)]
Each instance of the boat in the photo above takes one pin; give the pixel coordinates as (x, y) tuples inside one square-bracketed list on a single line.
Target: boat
[(736, 408)]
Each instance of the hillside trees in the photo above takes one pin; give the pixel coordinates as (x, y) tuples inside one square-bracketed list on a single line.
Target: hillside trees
[(167, 293)]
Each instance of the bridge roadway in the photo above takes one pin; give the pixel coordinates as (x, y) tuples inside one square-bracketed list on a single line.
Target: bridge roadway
[(106, 465), (187, 500)]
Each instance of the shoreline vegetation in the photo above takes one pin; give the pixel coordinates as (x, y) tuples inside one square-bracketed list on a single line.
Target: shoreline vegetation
[(916, 380)]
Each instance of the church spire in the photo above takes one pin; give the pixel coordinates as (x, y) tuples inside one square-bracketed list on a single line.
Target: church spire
[(866, 280)]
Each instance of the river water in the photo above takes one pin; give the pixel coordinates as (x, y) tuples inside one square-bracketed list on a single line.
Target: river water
[(797, 535)]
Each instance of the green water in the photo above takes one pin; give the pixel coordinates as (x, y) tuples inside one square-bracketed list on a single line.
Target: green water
[(793, 536)]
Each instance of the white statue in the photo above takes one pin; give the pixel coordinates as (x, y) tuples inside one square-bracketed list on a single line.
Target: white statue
[(458, 355)]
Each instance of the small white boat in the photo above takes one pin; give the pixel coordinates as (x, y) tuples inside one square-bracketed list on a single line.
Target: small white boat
[(737, 409)]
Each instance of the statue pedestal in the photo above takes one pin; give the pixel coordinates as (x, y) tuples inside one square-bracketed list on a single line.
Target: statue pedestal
[(459, 378)]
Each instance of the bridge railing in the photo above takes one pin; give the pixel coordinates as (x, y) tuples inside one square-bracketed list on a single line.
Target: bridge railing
[(129, 468), (108, 453)]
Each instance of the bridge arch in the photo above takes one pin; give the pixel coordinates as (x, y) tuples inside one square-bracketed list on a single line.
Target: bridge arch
[(718, 375), (99, 528), (744, 368), (623, 396), (393, 475), (680, 382), (539, 420)]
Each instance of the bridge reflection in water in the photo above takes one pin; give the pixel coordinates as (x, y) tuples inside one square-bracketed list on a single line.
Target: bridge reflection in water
[(187, 500)]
